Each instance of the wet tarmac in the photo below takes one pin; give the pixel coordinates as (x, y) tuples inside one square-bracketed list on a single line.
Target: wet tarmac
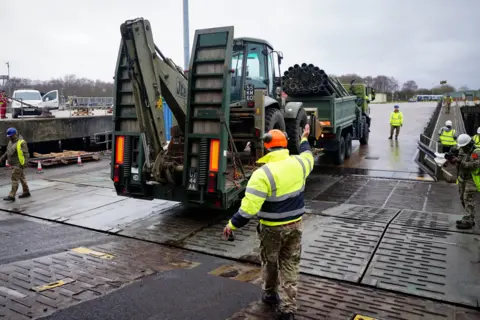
[(388, 158)]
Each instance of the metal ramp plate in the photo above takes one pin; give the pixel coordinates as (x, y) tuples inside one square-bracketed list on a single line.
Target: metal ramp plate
[(337, 248), (439, 199), (409, 195), (210, 240), (342, 190), (90, 179), (326, 299), (317, 183), (364, 213), (173, 225), (375, 193), (62, 200), (317, 207), (434, 264), (431, 220), (113, 217)]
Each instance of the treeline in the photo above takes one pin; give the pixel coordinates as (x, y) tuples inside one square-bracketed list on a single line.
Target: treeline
[(69, 85), (403, 91)]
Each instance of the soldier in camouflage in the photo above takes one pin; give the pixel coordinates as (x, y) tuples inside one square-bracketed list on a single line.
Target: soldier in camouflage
[(275, 193), (468, 161), (17, 155)]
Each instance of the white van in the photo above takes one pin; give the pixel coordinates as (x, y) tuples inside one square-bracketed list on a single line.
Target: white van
[(33, 97)]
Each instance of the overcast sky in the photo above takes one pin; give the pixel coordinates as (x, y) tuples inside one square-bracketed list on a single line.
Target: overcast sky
[(423, 40)]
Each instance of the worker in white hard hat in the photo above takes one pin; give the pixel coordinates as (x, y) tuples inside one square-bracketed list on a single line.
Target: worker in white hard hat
[(448, 137), (468, 180), (476, 138)]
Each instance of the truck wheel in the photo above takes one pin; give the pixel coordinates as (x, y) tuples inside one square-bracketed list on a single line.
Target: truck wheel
[(366, 134), (274, 120), (14, 114), (295, 130), (339, 155), (348, 146)]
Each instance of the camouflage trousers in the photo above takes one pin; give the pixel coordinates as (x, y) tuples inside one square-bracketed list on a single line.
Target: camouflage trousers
[(18, 176), (394, 129), (280, 250), (468, 191)]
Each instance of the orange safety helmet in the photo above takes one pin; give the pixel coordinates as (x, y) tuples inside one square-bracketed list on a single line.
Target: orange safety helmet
[(275, 139)]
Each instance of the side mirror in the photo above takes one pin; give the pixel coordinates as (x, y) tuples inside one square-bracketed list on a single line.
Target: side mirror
[(280, 57)]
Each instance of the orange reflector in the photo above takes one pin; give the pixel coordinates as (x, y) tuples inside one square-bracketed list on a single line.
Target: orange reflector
[(119, 149), (325, 123), (214, 154)]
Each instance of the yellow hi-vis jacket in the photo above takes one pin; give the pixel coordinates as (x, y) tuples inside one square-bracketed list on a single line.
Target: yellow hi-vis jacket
[(476, 139), (447, 138), (275, 191), (396, 119)]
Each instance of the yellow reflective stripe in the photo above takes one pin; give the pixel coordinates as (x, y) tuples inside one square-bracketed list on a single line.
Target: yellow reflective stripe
[(256, 192), (476, 139), (303, 167), (21, 158), (278, 223), (271, 180)]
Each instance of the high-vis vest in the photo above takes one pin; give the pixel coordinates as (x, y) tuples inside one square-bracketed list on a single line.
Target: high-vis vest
[(476, 139), (447, 138), (475, 173), (396, 119), (275, 192), (21, 157)]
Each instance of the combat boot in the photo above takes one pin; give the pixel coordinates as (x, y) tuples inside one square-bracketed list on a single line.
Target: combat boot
[(25, 195), (465, 223), (270, 298), (8, 198), (390, 138)]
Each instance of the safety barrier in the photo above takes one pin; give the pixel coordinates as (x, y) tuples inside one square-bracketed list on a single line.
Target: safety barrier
[(427, 146)]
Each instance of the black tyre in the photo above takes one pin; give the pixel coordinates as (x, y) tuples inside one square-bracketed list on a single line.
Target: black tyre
[(274, 120), (366, 133), (348, 146), (14, 114), (295, 130), (339, 154)]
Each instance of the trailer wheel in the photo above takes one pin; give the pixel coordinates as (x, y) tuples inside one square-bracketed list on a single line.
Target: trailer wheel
[(339, 154), (348, 146), (366, 133), (295, 130), (274, 120)]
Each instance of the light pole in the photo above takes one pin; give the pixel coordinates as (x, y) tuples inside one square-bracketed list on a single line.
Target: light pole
[(186, 36)]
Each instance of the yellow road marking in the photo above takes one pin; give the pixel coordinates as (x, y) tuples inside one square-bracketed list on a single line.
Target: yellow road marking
[(90, 252), (360, 317), (52, 285)]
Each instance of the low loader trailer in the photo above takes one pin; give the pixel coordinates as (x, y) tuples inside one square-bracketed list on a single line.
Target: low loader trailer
[(230, 98)]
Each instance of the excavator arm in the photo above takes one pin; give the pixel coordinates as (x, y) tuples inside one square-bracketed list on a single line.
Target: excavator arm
[(154, 78)]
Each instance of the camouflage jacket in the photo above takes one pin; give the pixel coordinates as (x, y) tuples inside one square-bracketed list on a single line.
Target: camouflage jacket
[(468, 161), (12, 155)]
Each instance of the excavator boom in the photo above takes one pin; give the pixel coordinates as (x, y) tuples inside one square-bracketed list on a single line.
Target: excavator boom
[(154, 78)]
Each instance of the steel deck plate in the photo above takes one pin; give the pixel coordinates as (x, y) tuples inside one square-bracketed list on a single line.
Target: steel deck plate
[(317, 183), (320, 299), (434, 264), (443, 198), (337, 248), (75, 277), (210, 240), (33, 185), (115, 216), (375, 193), (317, 207), (409, 195), (62, 200), (89, 179), (172, 226), (342, 190), (431, 220), (351, 211)]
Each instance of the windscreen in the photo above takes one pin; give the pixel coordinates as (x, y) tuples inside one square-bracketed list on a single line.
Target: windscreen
[(28, 95)]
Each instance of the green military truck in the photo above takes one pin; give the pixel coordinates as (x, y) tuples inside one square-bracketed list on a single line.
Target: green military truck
[(232, 95)]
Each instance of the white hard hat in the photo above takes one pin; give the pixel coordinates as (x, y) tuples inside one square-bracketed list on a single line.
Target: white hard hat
[(478, 130), (463, 140), (448, 123)]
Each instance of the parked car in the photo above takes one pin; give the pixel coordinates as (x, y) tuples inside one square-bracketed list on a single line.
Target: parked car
[(34, 102)]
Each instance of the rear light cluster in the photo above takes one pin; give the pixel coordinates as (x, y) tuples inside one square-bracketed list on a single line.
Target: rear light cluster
[(213, 166), (119, 157)]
